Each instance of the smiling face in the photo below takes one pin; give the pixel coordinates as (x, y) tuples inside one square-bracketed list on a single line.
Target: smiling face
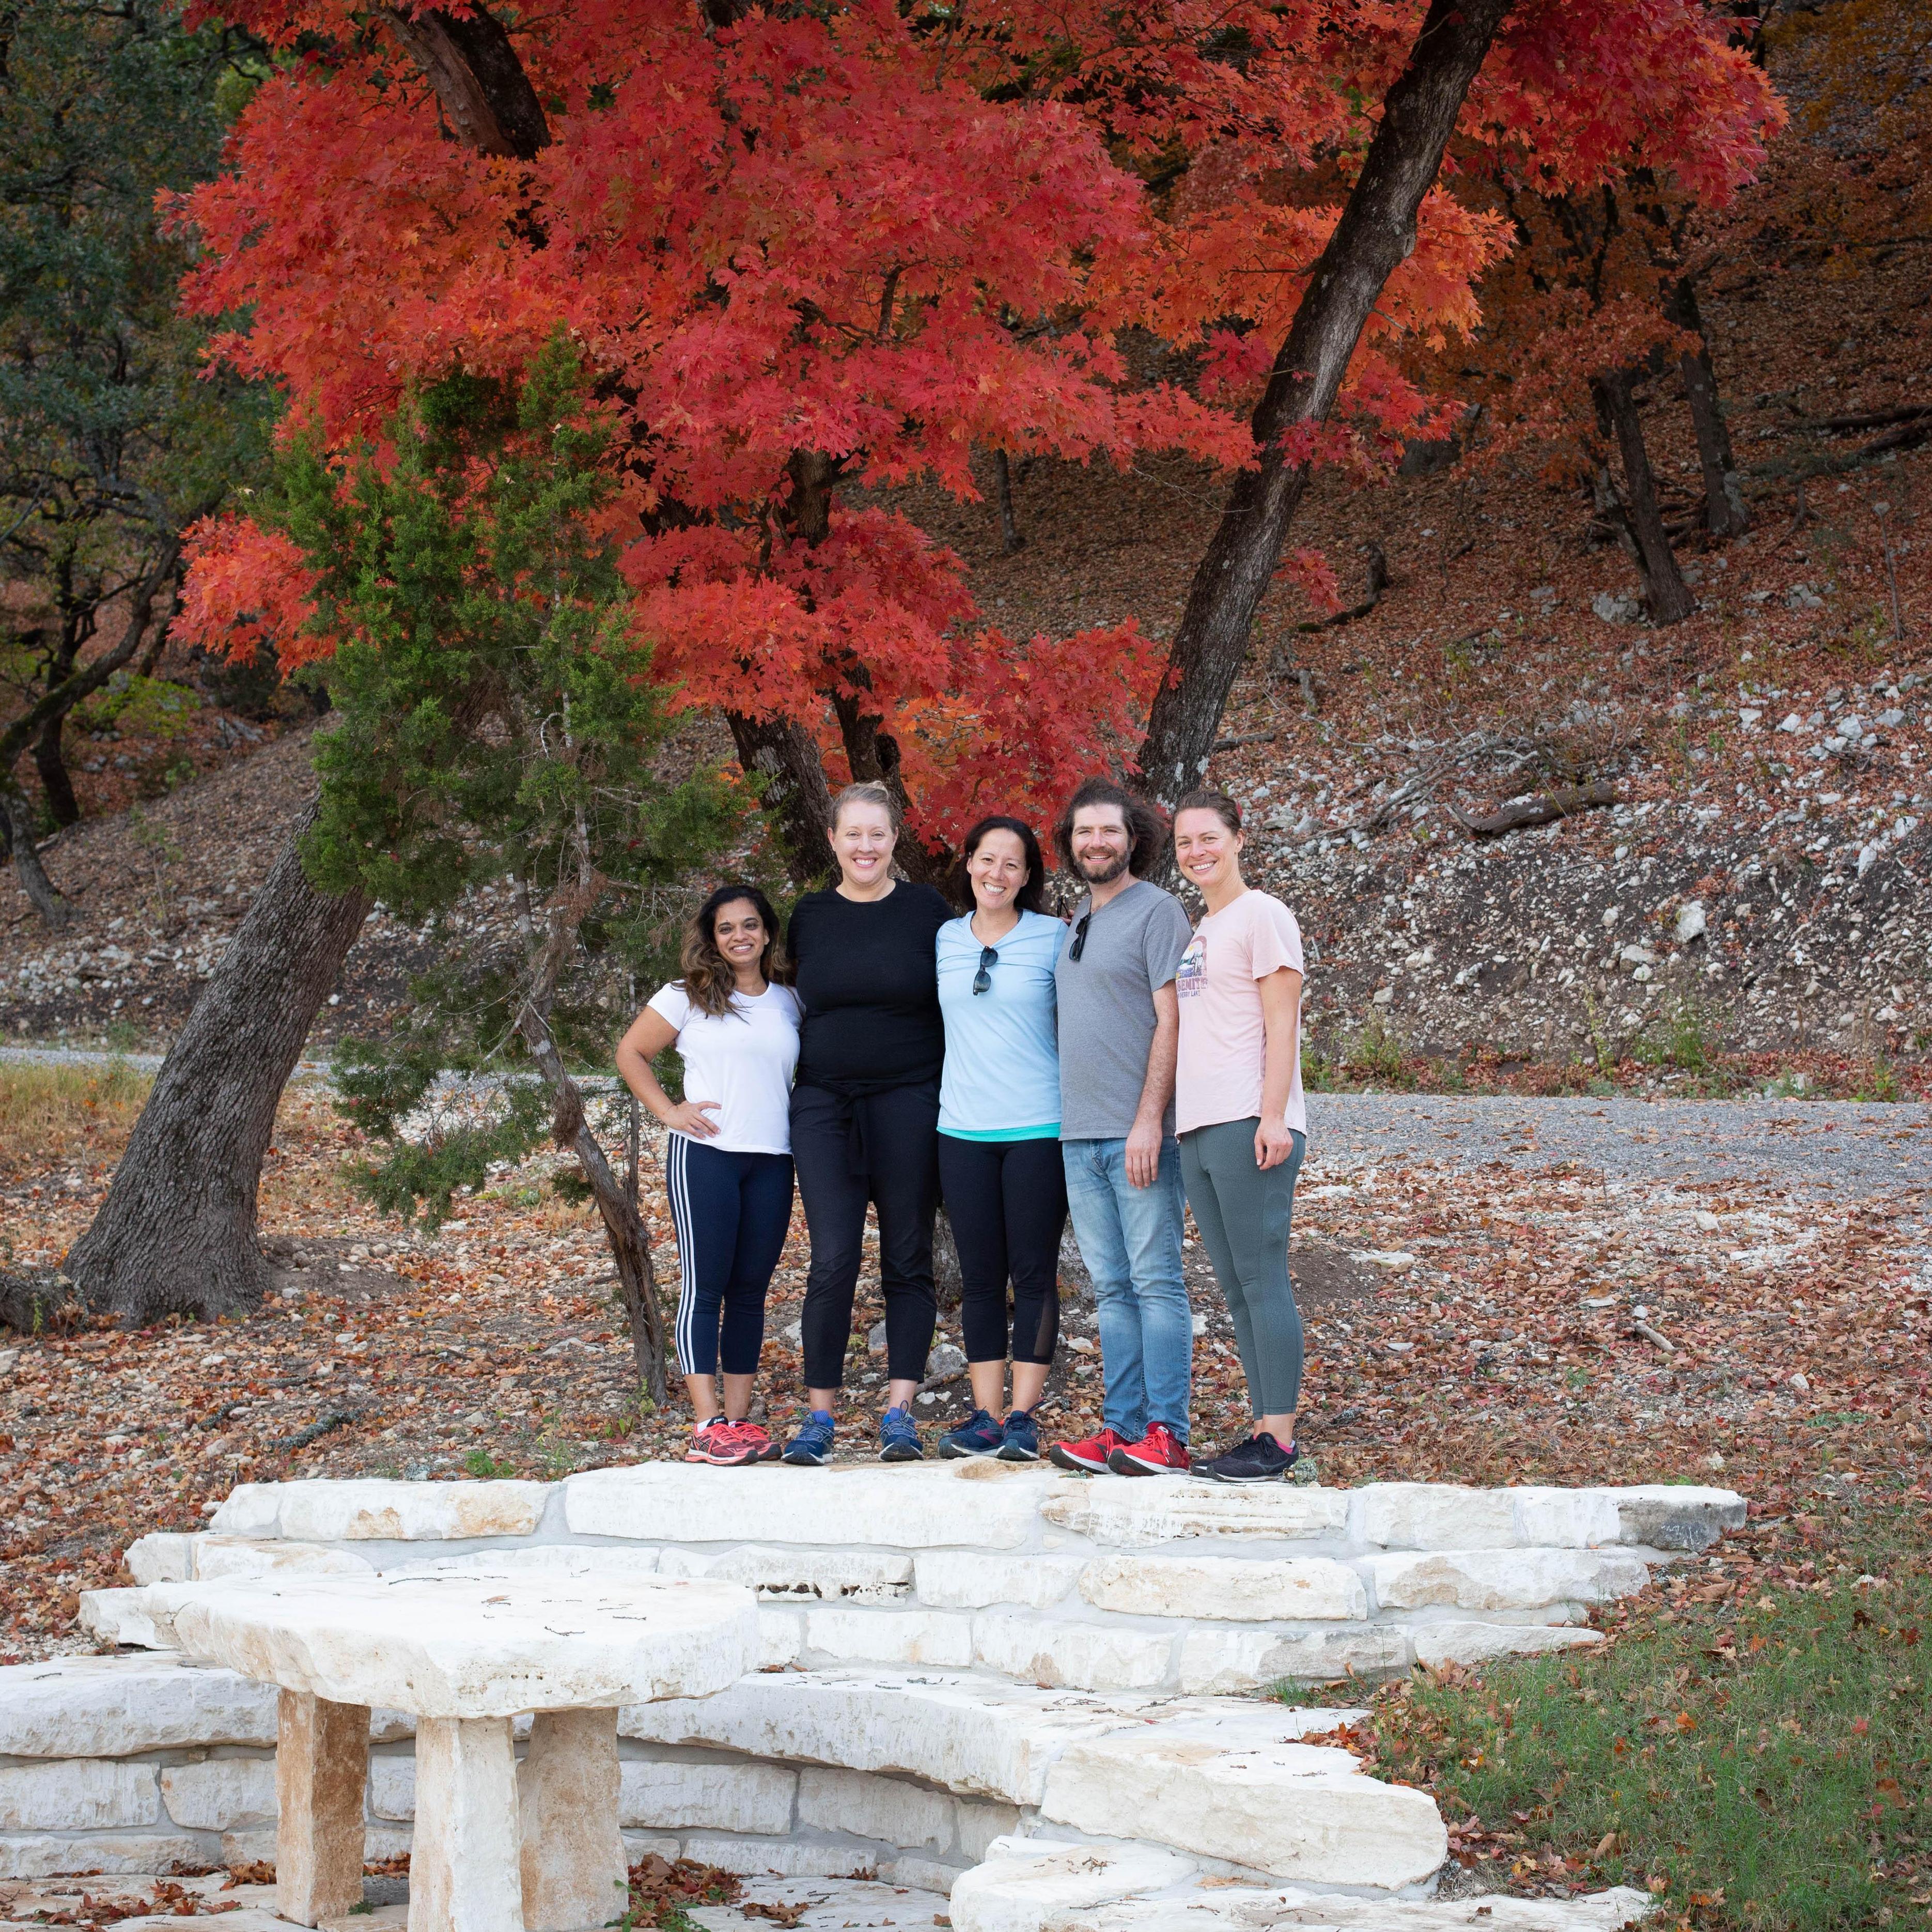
[(740, 934), (997, 870), (1102, 843), (863, 841), (1207, 848)]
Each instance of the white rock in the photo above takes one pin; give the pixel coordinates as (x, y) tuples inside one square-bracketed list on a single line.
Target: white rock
[(1242, 1910), (1079, 1657), (800, 1858), (1673, 1516), (1472, 1643), (1503, 1580), (1131, 1510), (1560, 1519), (928, 1875), (980, 1823), (829, 1905), (780, 1638), (1293, 1811), (163, 1556), (369, 1509), (116, 1706), (1026, 1885), (679, 1794), (477, 1645), (843, 1636), (543, 1559), (217, 1556), (126, 1617), (392, 1786), (1223, 1662), (1692, 921), (978, 1735), (220, 1794), (34, 1854), (1231, 1589), (465, 1864), (1436, 1516), (914, 1506), (885, 1808), (832, 1575), (965, 1579), (77, 1794)]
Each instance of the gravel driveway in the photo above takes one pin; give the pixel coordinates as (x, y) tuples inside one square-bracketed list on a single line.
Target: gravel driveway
[(1845, 1148)]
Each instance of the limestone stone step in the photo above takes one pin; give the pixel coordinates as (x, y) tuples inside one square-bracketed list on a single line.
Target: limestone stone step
[(108, 1707), (1032, 1884), (1224, 1779), (988, 1506)]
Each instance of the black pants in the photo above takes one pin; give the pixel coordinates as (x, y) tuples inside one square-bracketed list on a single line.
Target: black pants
[(1007, 1202), (879, 1149)]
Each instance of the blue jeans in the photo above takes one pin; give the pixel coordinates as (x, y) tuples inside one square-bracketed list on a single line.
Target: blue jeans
[(1130, 1239)]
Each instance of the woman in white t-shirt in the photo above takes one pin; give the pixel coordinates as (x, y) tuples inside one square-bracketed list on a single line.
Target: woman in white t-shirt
[(727, 1157)]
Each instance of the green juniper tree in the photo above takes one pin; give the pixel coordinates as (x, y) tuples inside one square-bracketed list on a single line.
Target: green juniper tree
[(114, 437), (496, 726)]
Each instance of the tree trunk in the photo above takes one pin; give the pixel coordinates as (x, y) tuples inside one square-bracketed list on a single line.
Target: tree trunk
[(17, 818), (782, 755), (623, 1225), (1376, 232), (1670, 596), (480, 83), (1010, 539), (1725, 514), (177, 1231), (62, 805)]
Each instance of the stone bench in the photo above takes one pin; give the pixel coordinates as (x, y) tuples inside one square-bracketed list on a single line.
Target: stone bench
[(496, 1848)]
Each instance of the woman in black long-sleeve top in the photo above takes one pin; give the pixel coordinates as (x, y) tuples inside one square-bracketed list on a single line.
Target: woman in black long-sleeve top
[(865, 1111)]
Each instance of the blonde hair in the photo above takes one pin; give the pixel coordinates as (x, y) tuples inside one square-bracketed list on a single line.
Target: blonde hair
[(868, 791)]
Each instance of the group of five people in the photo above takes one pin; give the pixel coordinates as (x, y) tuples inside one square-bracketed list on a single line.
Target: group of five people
[(890, 1050)]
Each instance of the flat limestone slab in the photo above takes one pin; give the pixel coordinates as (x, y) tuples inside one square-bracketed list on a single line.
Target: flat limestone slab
[(1130, 1509), (117, 1706), (372, 1509), (914, 1506), (830, 1905), (469, 1646)]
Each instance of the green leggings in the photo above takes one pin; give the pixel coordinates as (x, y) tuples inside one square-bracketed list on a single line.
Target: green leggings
[(1244, 1216)]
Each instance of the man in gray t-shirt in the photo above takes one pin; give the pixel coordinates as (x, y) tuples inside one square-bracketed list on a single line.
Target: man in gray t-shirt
[(1119, 1025)]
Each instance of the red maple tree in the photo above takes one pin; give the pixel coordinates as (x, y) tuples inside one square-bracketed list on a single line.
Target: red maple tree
[(806, 249)]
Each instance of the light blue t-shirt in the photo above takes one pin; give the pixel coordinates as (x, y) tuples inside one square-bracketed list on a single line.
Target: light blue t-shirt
[(1002, 1076)]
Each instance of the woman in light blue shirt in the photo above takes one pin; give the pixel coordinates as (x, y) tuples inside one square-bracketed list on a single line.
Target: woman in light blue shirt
[(1000, 1165)]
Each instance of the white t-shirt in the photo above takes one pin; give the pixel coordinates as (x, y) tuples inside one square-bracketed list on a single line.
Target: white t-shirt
[(744, 1061)]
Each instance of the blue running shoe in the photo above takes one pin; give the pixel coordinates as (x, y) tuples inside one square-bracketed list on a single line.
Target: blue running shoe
[(813, 1443), (898, 1440), (979, 1434), (1019, 1440)]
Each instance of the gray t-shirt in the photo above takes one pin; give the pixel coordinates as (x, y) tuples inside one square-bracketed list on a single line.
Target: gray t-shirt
[(1134, 944)]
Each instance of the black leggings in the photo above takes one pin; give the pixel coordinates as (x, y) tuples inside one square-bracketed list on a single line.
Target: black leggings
[(878, 1148), (1007, 1202)]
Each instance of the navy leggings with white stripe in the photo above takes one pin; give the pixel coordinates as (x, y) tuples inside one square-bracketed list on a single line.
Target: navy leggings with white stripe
[(731, 1211)]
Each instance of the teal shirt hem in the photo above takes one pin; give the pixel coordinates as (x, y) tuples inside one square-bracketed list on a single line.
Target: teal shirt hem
[(1046, 1133)]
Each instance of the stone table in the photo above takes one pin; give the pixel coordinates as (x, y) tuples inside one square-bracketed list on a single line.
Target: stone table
[(498, 1847)]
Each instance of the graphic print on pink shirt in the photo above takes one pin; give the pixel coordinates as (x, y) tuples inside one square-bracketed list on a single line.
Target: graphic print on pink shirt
[(1223, 1036)]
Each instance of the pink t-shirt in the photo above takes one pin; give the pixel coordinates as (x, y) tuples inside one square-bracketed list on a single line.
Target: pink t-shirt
[(1223, 1038)]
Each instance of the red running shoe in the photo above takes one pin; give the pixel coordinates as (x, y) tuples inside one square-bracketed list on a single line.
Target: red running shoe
[(1157, 1453), (1087, 1457), (765, 1450), (721, 1443)]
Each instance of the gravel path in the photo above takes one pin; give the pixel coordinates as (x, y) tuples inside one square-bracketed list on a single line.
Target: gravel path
[(1846, 1147)]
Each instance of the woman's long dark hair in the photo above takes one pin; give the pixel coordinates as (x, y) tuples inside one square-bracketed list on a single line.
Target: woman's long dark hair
[(1030, 897), (709, 979)]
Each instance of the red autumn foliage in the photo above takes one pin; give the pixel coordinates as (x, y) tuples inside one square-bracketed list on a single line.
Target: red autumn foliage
[(881, 237)]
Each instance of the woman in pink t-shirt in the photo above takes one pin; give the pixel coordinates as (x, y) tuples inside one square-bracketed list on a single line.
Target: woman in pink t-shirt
[(1239, 1113)]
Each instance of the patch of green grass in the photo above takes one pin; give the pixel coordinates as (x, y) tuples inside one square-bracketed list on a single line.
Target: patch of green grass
[(1762, 1765), (1877, 1080), (481, 1463), (1684, 1038), (1377, 1051)]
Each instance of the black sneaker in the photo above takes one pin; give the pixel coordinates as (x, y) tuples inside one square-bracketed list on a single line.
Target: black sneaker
[(1259, 1459)]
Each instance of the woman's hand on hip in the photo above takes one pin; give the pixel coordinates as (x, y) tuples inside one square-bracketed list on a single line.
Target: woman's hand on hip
[(692, 1117), (1274, 1141)]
